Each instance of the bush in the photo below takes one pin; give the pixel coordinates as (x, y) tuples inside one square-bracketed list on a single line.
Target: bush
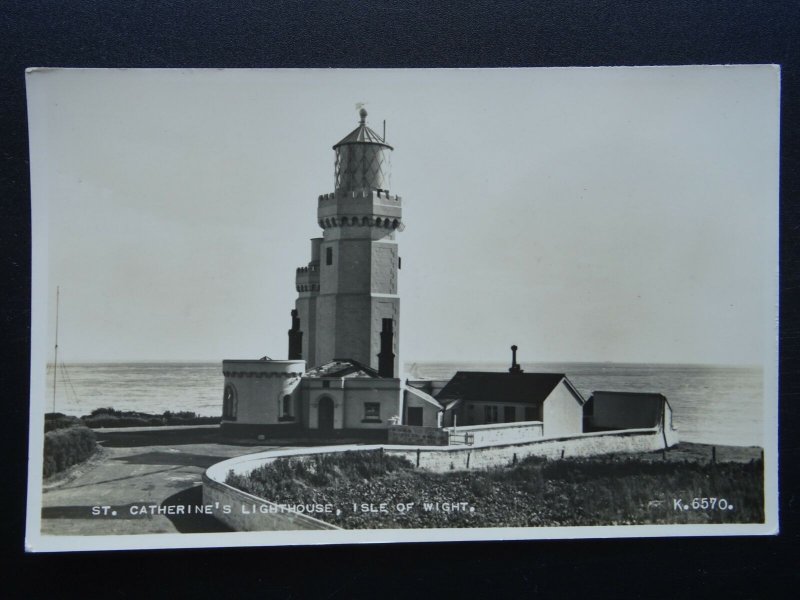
[(110, 417), (54, 421), (66, 447)]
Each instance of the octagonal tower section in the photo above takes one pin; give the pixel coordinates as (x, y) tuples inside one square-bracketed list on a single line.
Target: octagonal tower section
[(356, 305)]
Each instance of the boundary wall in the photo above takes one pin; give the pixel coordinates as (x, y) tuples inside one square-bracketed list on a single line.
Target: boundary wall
[(418, 435), (265, 515), (498, 433)]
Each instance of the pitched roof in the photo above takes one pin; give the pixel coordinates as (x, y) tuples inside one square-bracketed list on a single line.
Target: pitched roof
[(529, 388), (424, 396), (343, 367), (362, 135)]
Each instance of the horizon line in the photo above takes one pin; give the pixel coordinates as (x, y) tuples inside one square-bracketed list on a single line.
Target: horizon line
[(414, 362)]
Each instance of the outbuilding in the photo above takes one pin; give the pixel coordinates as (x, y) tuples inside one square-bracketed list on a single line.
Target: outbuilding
[(484, 397)]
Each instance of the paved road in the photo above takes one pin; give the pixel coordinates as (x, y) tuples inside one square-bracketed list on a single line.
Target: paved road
[(135, 469)]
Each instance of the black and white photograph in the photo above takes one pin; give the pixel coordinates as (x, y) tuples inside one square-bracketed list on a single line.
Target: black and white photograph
[(332, 306)]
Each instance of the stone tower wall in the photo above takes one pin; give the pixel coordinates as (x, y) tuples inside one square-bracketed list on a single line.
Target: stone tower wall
[(342, 305)]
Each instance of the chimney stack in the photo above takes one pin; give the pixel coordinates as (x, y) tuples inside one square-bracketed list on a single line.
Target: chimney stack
[(514, 366), (295, 338)]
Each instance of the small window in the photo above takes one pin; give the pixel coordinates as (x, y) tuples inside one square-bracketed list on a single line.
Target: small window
[(229, 403), (285, 409), (399, 262), (531, 413), (328, 256), (509, 414), (372, 412), (326, 384), (490, 414)]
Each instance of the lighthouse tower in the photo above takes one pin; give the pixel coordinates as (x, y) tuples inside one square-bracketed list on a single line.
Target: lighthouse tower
[(347, 304)]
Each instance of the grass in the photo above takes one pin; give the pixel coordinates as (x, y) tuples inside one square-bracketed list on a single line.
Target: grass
[(302, 477), (607, 490)]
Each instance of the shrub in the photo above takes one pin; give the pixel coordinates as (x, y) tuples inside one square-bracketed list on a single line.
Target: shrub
[(110, 417), (66, 447), (54, 421)]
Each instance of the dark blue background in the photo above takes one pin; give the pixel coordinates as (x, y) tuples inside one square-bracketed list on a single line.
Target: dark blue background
[(394, 34)]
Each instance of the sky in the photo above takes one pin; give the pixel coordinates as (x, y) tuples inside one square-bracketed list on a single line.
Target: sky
[(595, 214)]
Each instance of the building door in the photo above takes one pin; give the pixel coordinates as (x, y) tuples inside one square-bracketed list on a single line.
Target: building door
[(325, 414), (415, 416)]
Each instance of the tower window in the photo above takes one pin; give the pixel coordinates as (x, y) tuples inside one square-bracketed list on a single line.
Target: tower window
[(328, 256), (399, 262)]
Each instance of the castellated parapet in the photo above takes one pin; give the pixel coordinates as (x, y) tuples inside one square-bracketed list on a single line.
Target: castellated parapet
[(307, 278), (361, 208)]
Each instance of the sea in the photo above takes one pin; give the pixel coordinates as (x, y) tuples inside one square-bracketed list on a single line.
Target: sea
[(711, 404)]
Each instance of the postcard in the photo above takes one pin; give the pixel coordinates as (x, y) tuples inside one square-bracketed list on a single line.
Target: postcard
[(323, 306)]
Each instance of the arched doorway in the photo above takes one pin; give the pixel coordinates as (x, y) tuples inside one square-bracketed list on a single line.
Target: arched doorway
[(325, 414)]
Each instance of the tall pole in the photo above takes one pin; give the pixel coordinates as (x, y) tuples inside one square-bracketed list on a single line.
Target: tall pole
[(55, 363)]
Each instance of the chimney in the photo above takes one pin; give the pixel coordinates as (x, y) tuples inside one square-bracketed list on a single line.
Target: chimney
[(514, 366), (386, 356), (295, 338)]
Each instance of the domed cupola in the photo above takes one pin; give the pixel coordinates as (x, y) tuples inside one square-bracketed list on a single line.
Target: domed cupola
[(362, 160)]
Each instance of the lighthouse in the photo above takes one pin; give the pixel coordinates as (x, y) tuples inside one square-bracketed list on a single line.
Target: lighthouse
[(348, 304), (341, 376)]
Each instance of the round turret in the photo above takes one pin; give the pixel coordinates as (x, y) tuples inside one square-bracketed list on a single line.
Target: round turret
[(362, 159)]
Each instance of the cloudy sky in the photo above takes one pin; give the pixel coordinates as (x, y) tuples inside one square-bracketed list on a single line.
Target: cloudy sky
[(625, 214)]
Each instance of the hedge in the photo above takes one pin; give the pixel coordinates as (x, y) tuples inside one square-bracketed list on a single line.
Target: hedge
[(53, 421), (66, 447), (110, 417)]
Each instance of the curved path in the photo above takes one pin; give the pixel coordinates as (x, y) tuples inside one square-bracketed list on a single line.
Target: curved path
[(138, 473)]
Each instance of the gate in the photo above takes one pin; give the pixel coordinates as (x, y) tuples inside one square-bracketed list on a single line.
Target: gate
[(464, 439)]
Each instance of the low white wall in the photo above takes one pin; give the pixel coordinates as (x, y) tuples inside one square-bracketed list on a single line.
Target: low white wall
[(434, 458), (417, 436), (440, 458), (458, 458), (501, 432)]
